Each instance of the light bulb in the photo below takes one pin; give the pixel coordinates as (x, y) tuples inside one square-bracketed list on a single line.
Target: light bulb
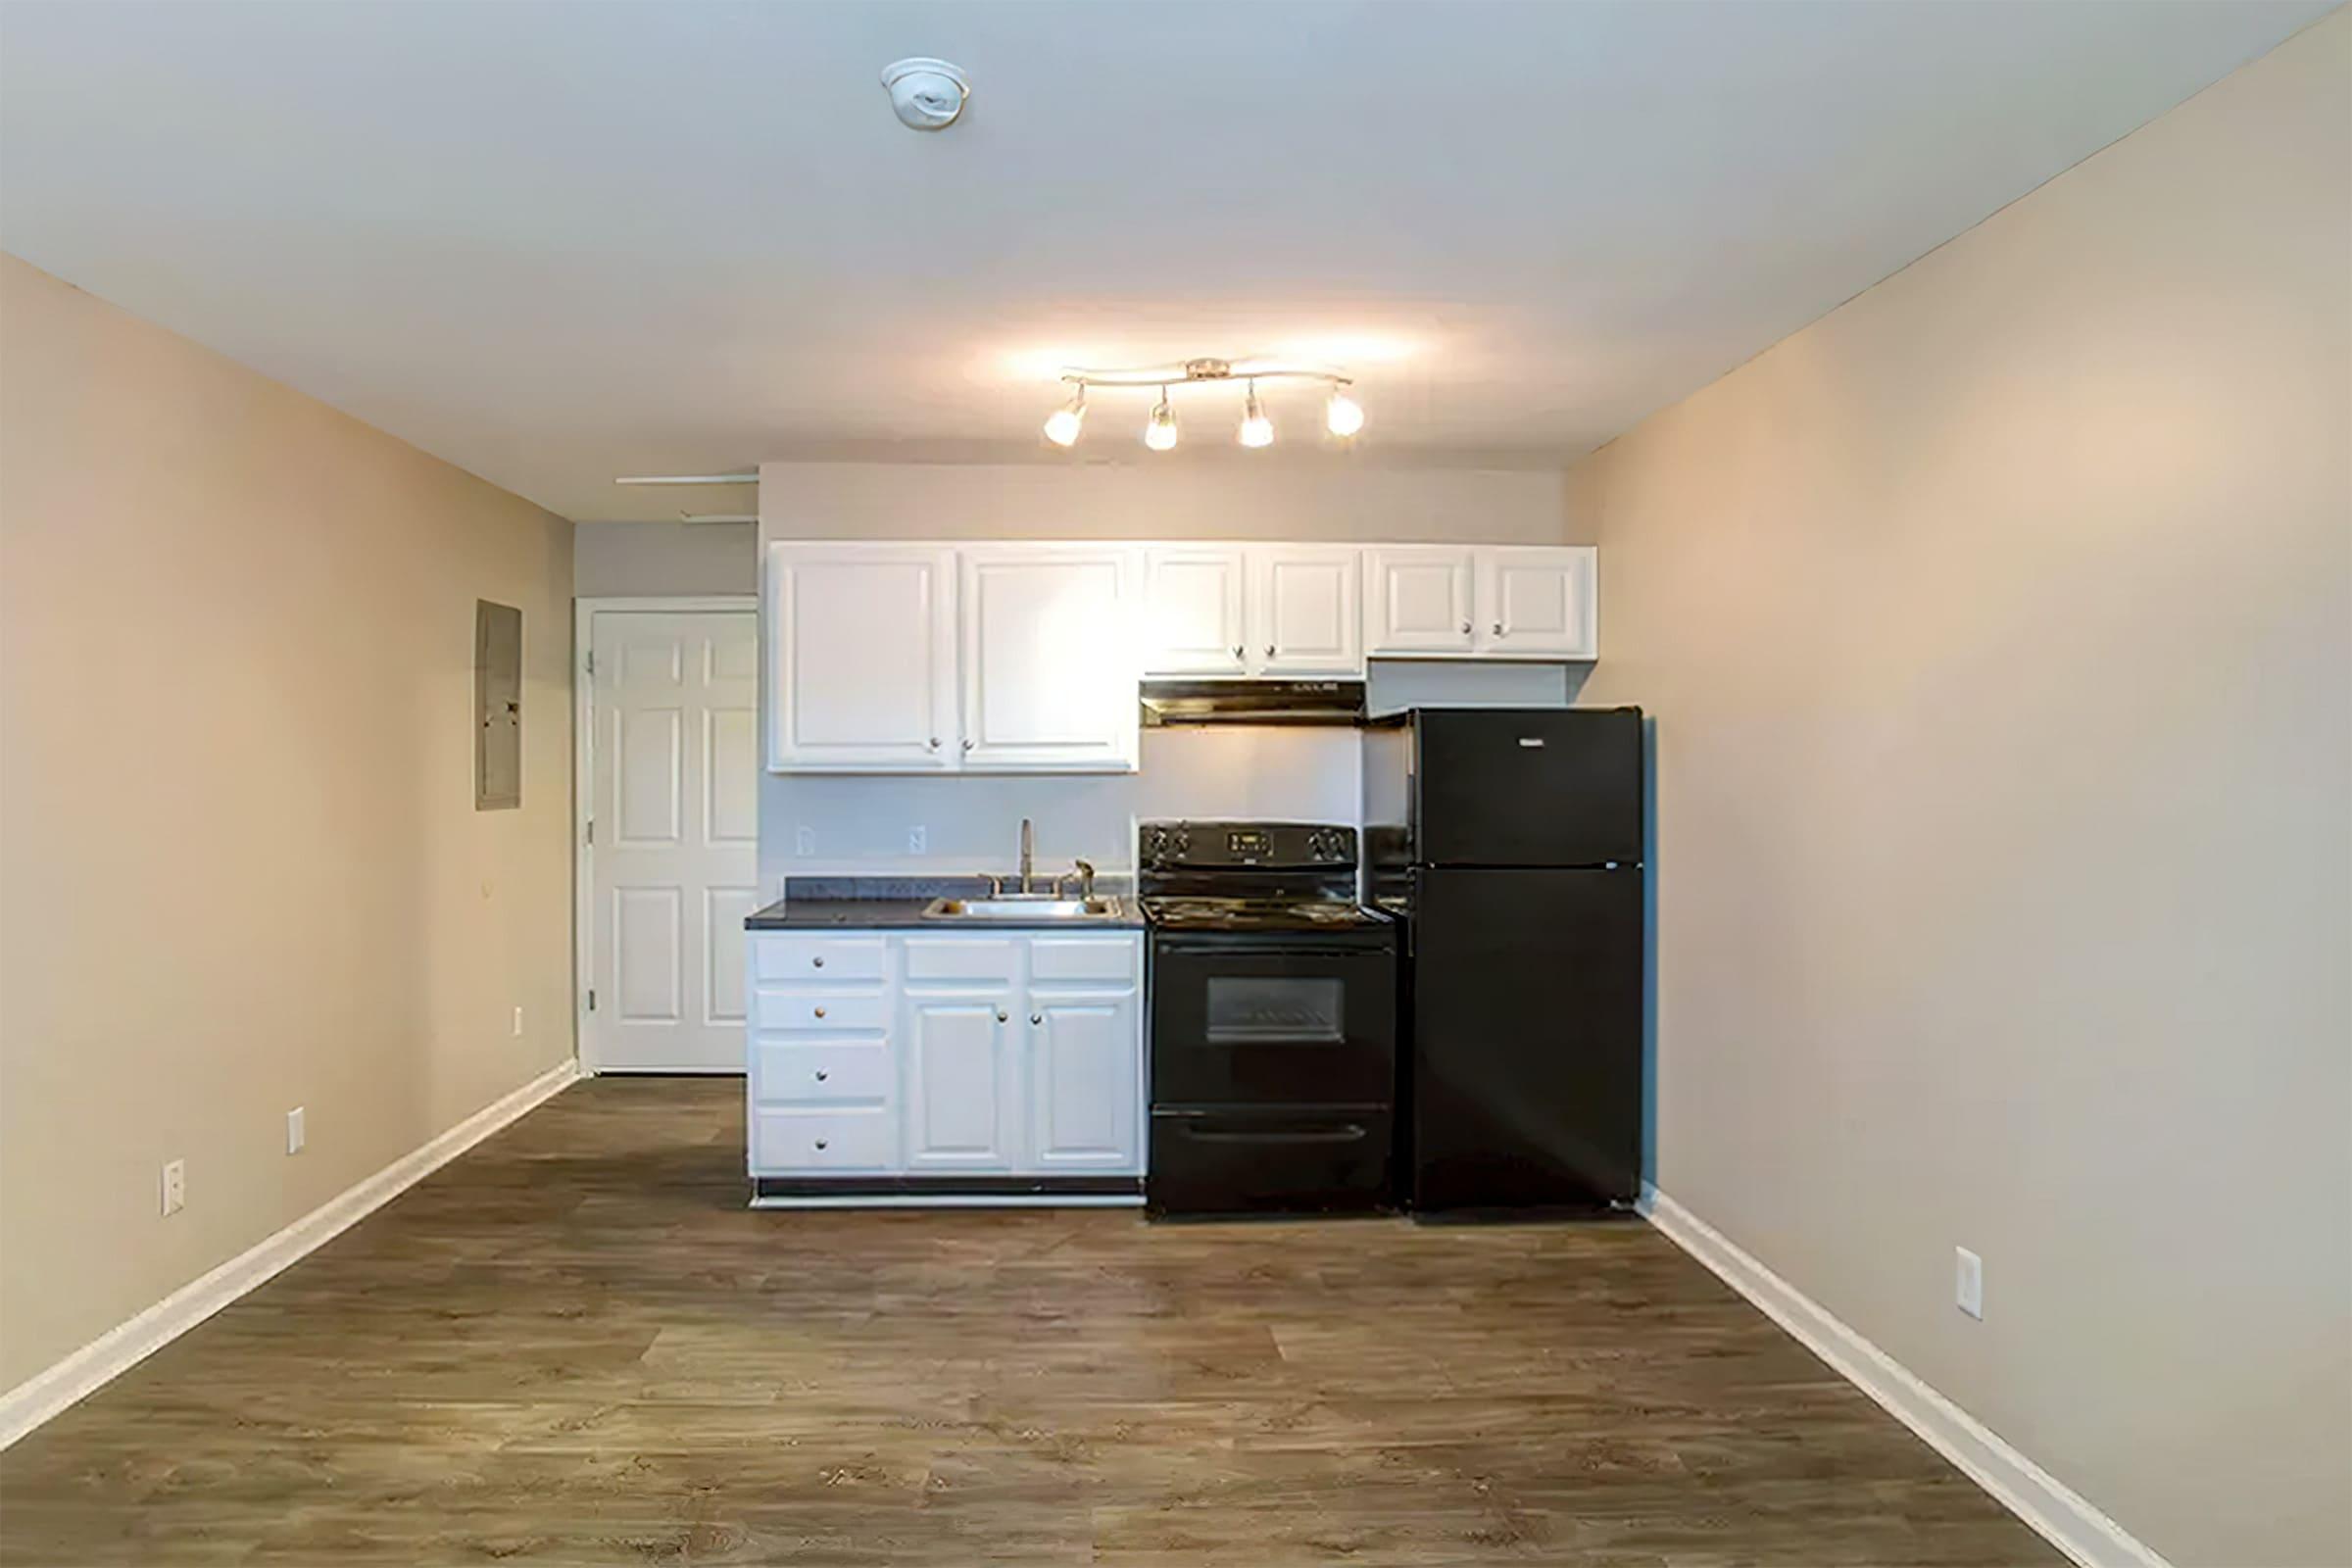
[(1256, 429), (1344, 414), (1061, 425), (1161, 434)]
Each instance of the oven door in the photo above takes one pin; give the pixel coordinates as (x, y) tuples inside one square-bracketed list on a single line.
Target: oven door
[(1260, 1022)]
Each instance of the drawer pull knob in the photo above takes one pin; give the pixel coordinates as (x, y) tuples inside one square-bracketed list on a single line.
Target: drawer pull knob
[(820, 1012), (818, 963), (1001, 1015), (1465, 628), (820, 1142), (1498, 629), (822, 1075), (1036, 1017)]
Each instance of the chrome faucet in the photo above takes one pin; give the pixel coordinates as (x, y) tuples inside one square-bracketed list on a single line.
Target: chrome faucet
[(1028, 856)]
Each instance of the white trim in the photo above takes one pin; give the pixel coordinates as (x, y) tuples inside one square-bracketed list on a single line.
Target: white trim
[(2056, 1511), (116, 1351), (584, 612), (955, 1200)]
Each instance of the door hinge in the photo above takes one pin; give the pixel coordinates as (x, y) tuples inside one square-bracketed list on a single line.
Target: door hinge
[(592, 998)]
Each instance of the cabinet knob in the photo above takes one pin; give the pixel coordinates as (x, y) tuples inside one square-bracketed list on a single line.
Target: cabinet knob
[(968, 745), (935, 743), (1269, 650), (1498, 629), (1236, 651), (1002, 1015), (1465, 628), (822, 1075), (1036, 1017), (820, 1142), (820, 1012), (816, 964)]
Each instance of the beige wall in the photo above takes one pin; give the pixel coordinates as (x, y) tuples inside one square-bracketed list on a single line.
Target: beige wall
[(861, 822), (1999, 629), (663, 559), (240, 868)]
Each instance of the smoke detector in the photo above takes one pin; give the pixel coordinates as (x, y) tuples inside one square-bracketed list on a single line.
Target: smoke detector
[(927, 94)]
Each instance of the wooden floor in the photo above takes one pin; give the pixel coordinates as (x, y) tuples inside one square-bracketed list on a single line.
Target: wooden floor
[(575, 1345)]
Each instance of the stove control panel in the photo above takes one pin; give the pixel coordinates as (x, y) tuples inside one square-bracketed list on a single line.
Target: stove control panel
[(1246, 843)]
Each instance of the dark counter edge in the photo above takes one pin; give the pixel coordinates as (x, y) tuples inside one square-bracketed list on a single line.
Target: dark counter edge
[(845, 902)]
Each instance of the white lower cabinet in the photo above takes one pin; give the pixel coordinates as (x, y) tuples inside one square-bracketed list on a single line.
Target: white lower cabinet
[(958, 1071), (906, 1054)]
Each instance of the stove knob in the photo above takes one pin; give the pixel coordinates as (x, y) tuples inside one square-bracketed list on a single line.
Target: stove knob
[(1184, 842)]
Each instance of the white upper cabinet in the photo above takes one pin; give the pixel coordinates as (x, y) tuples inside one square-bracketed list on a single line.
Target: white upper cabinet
[(1193, 597), (1418, 599), (862, 657), (1049, 663), (1537, 600), (1306, 611)]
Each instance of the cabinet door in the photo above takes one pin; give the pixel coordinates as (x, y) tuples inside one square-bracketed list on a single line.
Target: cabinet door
[(861, 659), (1419, 599), (1193, 608), (1306, 611), (1050, 660), (1085, 1053), (1537, 600), (962, 1096)]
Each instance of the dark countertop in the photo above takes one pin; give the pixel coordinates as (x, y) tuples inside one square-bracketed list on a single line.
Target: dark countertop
[(884, 904)]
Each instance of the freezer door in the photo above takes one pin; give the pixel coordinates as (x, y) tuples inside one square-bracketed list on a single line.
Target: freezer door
[(1527, 786), (1526, 1050)]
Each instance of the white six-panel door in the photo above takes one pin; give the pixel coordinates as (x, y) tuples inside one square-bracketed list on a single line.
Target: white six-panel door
[(674, 838)]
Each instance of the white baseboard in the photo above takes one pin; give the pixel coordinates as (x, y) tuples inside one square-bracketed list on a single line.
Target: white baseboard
[(113, 1352), (2058, 1513)]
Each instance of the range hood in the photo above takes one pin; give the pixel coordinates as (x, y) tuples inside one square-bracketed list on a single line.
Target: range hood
[(1252, 701)]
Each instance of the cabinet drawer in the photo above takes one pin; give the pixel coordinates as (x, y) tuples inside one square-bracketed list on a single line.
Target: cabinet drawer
[(953, 959), (798, 957), (808, 1010), (860, 1140), (789, 1071), (1097, 959)]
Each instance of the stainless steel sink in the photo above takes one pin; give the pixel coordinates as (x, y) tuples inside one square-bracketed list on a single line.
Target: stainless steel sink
[(1021, 906)]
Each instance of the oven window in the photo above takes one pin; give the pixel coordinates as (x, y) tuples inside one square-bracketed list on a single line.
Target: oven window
[(1245, 1009)]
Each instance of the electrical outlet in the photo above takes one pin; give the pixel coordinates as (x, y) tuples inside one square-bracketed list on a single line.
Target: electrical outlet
[(917, 838), (175, 1186), (1967, 1282), (294, 1133), (803, 841), (518, 1023)]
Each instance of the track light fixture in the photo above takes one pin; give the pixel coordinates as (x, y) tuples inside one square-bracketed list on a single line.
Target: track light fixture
[(1342, 416), (1161, 434)]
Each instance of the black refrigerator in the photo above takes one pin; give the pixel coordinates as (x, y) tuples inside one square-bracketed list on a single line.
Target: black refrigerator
[(1509, 843)]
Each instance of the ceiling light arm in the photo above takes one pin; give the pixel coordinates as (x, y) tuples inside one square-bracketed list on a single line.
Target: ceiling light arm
[(1190, 371)]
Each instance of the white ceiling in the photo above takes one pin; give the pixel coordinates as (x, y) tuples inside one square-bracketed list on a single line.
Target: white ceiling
[(553, 244)]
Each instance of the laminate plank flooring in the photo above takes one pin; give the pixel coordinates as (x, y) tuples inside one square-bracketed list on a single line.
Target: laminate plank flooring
[(575, 1345)]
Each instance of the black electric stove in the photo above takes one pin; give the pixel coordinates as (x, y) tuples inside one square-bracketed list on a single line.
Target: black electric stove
[(1273, 1021)]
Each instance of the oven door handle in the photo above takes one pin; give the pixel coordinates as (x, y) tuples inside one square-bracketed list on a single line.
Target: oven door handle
[(1353, 1132), (1170, 948)]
